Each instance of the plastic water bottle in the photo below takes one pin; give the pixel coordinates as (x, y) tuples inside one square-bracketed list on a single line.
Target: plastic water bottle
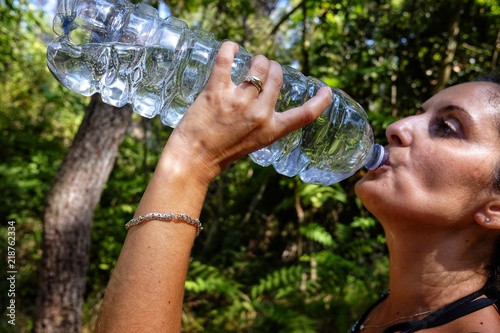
[(128, 54)]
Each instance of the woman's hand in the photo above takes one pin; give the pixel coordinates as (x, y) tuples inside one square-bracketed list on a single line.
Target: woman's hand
[(227, 121)]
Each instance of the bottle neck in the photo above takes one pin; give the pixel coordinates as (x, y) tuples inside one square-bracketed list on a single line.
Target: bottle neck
[(378, 157)]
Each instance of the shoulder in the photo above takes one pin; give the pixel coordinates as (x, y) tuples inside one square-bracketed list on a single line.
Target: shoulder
[(486, 320)]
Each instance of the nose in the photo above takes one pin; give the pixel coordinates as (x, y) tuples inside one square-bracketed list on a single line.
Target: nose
[(400, 132)]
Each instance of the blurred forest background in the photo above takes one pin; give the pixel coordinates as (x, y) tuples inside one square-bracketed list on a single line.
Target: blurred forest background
[(277, 255)]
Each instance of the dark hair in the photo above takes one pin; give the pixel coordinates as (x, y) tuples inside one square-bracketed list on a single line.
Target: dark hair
[(494, 77), (494, 266)]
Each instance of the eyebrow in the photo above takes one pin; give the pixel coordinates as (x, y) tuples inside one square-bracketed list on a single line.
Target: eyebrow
[(453, 107), (448, 108)]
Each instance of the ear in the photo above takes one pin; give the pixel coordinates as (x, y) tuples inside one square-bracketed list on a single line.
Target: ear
[(489, 215)]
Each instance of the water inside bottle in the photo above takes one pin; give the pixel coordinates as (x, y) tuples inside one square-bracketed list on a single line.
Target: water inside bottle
[(130, 55)]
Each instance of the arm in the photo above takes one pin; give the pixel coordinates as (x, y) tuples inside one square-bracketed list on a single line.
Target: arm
[(226, 122)]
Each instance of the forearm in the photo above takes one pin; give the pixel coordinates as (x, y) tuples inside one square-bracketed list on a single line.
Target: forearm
[(225, 123), (146, 288)]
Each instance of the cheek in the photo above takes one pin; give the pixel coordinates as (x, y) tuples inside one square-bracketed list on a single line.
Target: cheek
[(432, 170), (449, 173)]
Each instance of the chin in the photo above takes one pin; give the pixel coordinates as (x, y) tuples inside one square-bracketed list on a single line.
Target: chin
[(365, 183), (371, 190)]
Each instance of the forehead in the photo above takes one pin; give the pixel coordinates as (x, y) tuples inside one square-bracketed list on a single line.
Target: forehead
[(480, 99), (483, 97)]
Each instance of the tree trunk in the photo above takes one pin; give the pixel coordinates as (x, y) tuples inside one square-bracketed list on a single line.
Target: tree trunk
[(68, 216), (451, 47), (306, 69), (496, 51)]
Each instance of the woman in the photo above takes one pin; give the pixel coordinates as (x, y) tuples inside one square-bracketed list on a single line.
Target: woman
[(437, 197)]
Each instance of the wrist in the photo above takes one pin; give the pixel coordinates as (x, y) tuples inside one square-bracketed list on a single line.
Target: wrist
[(188, 163), (174, 189)]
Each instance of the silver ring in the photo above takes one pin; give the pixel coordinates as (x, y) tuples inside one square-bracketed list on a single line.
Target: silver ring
[(254, 81)]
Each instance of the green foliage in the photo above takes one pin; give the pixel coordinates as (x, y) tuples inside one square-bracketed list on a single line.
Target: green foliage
[(317, 233), (319, 195), (38, 119), (208, 279)]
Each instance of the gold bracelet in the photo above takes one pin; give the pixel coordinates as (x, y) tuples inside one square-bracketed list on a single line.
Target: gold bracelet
[(168, 217)]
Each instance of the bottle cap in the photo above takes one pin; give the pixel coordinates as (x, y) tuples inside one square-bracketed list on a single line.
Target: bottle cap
[(377, 158)]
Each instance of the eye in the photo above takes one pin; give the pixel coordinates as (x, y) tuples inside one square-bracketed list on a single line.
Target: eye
[(446, 128)]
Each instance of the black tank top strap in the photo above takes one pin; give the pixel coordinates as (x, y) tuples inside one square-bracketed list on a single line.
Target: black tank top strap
[(444, 315), (462, 307), (492, 291), (357, 325), (440, 317)]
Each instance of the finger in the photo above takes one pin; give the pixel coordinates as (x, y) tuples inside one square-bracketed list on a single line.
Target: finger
[(294, 119), (256, 76), (220, 78), (272, 85)]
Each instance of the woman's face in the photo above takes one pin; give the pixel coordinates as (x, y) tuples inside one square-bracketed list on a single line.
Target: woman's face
[(441, 160)]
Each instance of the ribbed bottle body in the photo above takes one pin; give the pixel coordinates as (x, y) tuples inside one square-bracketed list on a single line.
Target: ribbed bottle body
[(128, 54)]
